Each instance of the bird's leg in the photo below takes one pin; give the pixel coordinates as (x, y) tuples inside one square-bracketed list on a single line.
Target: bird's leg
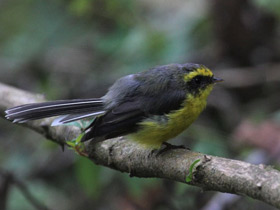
[(166, 147), (171, 146)]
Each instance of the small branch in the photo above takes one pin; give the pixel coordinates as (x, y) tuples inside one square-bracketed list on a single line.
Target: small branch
[(211, 173), (4, 189), (10, 180), (250, 76)]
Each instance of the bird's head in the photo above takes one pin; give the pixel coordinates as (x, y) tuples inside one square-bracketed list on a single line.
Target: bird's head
[(198, 78)]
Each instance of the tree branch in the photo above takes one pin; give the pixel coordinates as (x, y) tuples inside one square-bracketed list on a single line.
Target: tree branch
[(10, 179), (211, 173)]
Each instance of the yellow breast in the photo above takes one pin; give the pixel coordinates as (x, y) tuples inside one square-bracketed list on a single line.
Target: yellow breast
[(153, 131)]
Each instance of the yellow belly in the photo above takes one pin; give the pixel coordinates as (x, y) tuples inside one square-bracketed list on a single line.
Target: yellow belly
[(154, 132)]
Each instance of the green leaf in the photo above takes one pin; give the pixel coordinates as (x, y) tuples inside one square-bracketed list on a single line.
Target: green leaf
[(76, 141), (82, 124), (137, 187), (88, 175), (190, 175), (77, 145)]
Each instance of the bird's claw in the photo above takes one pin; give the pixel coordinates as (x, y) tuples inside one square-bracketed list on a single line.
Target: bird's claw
[(166, 147)]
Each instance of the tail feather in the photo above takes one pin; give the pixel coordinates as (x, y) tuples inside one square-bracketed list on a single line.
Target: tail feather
[(74, 117), (36, 111)]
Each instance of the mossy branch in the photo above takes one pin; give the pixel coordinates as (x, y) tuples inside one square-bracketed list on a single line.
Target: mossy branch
[(210, 173)]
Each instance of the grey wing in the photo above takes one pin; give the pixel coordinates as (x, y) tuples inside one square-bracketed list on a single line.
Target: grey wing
[(125, 118), (123, 89)]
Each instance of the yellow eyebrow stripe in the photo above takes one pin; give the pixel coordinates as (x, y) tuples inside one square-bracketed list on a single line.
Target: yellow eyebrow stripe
[(200, 71)]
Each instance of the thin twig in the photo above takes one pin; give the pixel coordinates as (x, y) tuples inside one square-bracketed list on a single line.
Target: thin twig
[(12, 180)]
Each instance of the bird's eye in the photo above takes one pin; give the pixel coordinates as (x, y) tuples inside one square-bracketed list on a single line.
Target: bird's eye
[(197, 80)]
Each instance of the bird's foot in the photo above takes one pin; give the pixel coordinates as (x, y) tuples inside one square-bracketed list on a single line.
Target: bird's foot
[(166, 147), (171, 146)]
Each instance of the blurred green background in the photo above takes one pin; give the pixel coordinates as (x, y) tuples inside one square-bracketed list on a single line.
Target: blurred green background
[(78, 48)]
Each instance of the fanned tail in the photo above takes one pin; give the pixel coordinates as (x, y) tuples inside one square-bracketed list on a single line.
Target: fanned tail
[(74, 109)]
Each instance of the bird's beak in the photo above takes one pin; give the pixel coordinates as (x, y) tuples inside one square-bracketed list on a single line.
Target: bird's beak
[(216, 80)]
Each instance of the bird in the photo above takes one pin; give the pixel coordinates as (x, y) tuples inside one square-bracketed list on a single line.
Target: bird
[(150, 107)]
